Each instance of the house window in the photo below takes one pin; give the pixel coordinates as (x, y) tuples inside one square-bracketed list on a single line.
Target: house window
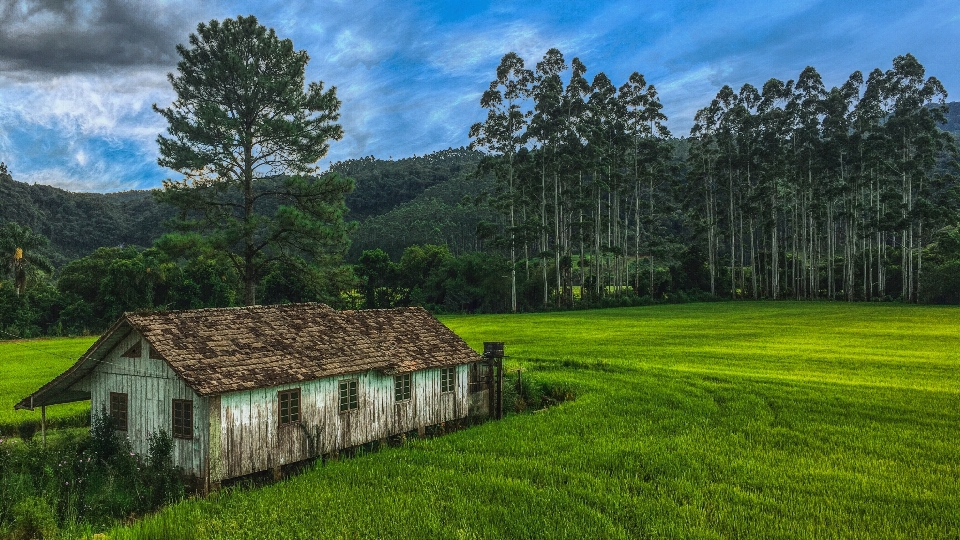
[(348, 395), (118, 410), (448, 376), (401, 387), (133, 352), (154, 355), (289, 406), (183, 418)]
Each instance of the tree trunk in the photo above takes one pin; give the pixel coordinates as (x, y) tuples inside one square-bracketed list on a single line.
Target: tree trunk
[(774, 251), (543, 231), (249, 248), (753, 261), (557, 243), (513, 244)]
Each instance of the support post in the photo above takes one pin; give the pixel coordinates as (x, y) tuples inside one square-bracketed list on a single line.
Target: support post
[(43, 424), (492, 389), (493, 351), (500, 389)]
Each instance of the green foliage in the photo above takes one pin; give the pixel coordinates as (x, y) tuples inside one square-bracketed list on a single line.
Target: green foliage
[(739, 420), (378, 279), (431, 277), (164, 482), (33, 519), (941, 278), (477, 282), (448, 213), (26, 430), (182, 272), (291, 280), (246, 135), (533, 394), (31, 314), (21, 253), (106, 443)]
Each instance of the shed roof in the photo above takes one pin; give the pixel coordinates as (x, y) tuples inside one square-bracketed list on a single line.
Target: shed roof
[(221, 350)]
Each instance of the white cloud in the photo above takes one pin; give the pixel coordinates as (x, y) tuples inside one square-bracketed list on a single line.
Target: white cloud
[(98, 178), (90, 105)]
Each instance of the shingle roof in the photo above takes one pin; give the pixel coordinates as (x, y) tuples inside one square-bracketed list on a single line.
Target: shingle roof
[(222, 350)]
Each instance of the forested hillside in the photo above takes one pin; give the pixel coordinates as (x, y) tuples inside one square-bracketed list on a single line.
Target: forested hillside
[(78, 223), (381, 185), (953, 118), (447, 213), (580, 197)]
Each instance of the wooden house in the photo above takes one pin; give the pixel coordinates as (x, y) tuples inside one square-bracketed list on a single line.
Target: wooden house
[(243, 390)]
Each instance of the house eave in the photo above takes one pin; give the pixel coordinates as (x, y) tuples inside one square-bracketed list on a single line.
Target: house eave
[(58, 390)]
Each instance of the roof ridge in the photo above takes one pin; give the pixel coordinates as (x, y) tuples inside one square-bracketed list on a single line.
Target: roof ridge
[(258, 307)]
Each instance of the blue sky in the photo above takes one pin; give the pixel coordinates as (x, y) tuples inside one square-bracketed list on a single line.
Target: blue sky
[(78, 78)]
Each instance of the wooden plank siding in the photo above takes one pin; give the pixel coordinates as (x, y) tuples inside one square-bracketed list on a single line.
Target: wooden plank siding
[(151, 386), (248, 438)]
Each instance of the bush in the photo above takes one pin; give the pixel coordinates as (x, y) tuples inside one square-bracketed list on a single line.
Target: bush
[(27, 429), (164, 481), (33, 518), (105, 441)]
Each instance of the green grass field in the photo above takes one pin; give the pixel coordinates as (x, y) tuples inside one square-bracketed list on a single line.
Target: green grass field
[(726, 420), (27, 365)]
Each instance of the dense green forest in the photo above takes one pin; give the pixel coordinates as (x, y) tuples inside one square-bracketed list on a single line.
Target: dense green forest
[(447, 214), (574, 194), (91, 274)]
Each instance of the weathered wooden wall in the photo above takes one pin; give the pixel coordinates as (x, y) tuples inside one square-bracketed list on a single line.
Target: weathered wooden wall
[(246, 437), (151, 386)]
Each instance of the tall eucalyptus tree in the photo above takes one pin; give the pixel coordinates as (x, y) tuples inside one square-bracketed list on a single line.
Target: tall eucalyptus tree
[(546, 127), (605, 134), (502, 136), (574, 137), (645, 128), (915, 142)]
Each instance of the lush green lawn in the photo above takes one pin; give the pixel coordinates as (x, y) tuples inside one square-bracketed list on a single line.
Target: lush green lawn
[(746, 420), (27, 365)]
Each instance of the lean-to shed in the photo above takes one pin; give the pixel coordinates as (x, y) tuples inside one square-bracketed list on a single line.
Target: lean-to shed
[(249, 389)]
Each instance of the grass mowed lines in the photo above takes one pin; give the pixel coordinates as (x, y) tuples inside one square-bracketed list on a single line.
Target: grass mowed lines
[(27, 365), (744, 420)]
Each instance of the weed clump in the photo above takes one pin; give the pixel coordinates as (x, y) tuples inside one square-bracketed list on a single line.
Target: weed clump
[(33, 518), (526, 393)]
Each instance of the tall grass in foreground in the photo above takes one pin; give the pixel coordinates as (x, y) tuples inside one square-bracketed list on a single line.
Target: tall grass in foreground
[(745, 420)]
